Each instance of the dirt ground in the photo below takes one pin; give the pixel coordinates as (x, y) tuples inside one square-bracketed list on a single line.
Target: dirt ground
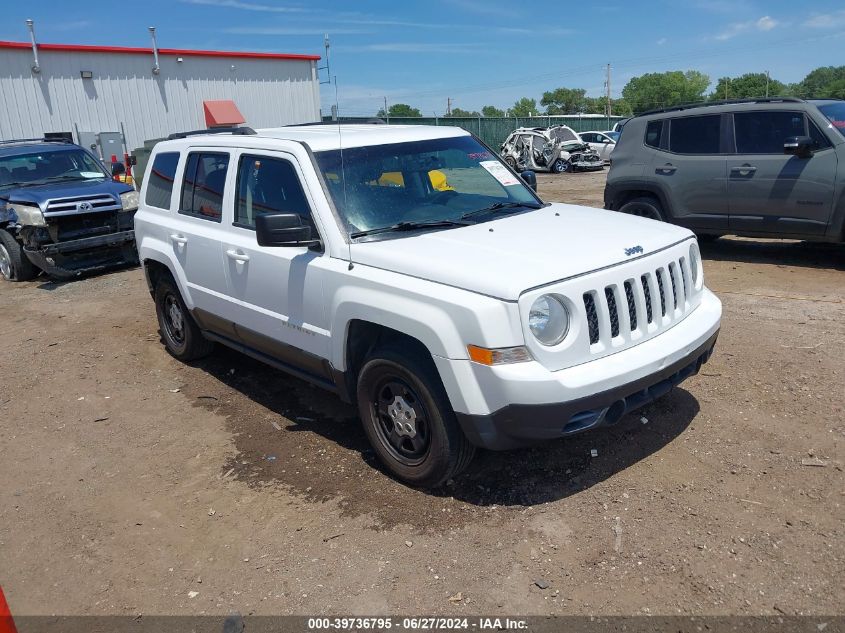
[(131, 481)]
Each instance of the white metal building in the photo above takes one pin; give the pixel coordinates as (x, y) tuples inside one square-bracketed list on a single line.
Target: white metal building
[(93, 89)]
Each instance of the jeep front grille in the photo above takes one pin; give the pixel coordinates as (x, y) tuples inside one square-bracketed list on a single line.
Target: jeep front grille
[(624, 311), (70, 206)]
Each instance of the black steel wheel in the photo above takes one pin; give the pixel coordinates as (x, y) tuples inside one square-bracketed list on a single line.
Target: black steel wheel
[(408, 419), (179, 332)]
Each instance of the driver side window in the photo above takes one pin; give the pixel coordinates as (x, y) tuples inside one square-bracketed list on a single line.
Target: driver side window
[(268, 185)]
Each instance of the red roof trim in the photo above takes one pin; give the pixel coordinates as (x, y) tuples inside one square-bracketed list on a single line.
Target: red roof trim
[(80, 48)]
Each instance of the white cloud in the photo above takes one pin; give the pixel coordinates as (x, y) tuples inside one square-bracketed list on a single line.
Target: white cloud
[(766, 23), (826, 20), (661, 41), (246, 6), (315, 30), (410, 47)]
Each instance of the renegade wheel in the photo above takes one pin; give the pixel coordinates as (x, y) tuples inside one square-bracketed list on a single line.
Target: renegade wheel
[(181, 335), (561, 166), (644, 207), (14, 264), (408, 420)]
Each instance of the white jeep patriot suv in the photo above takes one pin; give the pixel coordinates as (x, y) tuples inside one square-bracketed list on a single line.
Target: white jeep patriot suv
[(410, 270)]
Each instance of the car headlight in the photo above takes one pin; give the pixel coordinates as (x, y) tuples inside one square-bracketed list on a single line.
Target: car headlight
[(28, 215), (129, 201), (548, 320), (696, 268)]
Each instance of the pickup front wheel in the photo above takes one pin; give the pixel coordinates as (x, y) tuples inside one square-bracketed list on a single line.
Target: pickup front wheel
[(408, 419)]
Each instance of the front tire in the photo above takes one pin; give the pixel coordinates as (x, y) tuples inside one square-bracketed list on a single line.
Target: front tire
[(408, 419), (14, 264), (561, 166), (644, 207), (181, 335)]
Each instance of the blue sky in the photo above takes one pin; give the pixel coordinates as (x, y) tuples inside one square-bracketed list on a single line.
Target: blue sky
[(477, 52)]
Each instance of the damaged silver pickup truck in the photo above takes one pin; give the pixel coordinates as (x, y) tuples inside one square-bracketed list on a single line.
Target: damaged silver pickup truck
[(557, 149), (61, 212)]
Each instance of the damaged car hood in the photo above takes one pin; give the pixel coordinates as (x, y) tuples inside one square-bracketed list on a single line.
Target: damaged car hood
[(504, 257)]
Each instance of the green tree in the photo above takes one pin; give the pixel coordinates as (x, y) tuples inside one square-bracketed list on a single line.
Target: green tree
[(492, 111), (399, 110), (748, 85), (834, 90), (821, 83), (464, 113), (565, 101), (659, 90), (525, 107)]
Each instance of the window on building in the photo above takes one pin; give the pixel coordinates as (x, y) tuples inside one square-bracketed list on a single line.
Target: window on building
[(695, 134), (160, 180), (268, 185), (202, 187)]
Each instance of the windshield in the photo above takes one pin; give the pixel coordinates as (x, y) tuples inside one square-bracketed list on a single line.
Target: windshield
[(835, 113), (614, 135), (563, 134), (48, 166), (423, 181)]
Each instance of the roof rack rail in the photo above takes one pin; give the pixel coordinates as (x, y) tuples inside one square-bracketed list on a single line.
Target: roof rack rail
[(36, 140), (703, 104), (370, 121), (215, 130)]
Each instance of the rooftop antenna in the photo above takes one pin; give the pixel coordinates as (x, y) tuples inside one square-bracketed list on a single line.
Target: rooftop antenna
[(327, 44), (156, 68), (36, 67)]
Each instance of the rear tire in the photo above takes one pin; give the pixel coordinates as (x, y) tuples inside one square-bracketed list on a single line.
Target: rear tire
[(14, 264), (644, 207), (408, 419), (181, 335)]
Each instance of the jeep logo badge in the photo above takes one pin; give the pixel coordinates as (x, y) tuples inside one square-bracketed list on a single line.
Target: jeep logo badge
[(84, 206), (633, 250)]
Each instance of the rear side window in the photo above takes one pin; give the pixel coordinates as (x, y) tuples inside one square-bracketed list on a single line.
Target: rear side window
[(160, 180), (268, 185), (695, 134), (202, 187), (652, 133), (765, 132)]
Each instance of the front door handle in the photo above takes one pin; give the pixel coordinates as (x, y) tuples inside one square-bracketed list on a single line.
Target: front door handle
[(178, 239), (238, 257), (668, 168), (743, 169)]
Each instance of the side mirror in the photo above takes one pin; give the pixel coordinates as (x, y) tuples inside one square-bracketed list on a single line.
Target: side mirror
[(800, 146), (530, 179), (282, 229), (118, 169)]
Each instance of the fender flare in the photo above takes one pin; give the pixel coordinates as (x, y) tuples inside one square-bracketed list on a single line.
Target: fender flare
[(155, 250)]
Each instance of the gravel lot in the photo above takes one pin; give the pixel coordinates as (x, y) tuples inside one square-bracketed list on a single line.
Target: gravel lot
[(131, 481)]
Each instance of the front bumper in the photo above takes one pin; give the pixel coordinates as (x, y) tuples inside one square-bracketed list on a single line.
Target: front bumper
[(72, 258), (515, 405)]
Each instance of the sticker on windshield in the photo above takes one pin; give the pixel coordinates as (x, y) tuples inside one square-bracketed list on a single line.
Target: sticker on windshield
[(91, 174), (499, 172)]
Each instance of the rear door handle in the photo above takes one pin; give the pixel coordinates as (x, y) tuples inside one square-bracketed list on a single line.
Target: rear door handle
[(238, 257), (668, 168), (178, 239), (743, 169)]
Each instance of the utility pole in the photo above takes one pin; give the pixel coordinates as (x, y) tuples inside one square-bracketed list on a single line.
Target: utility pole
[(448, 106), (386, 113), (609, 107), (767, 83)]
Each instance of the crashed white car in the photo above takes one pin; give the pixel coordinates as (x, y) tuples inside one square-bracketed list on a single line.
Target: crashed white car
[(557, 149)]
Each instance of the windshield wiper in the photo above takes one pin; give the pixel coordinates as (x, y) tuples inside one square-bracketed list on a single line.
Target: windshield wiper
[(44, 181), (410, 226), (497, 206)]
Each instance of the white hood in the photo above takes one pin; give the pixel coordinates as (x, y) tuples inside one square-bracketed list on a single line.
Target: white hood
[(507, 256)]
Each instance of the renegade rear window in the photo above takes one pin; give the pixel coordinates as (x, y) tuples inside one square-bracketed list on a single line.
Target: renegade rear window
[(202, 187), (652, 133), (162, 175), (695, 134)]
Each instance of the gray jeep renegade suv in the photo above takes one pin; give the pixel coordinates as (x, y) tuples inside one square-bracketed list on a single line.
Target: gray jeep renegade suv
[(770, 167)]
